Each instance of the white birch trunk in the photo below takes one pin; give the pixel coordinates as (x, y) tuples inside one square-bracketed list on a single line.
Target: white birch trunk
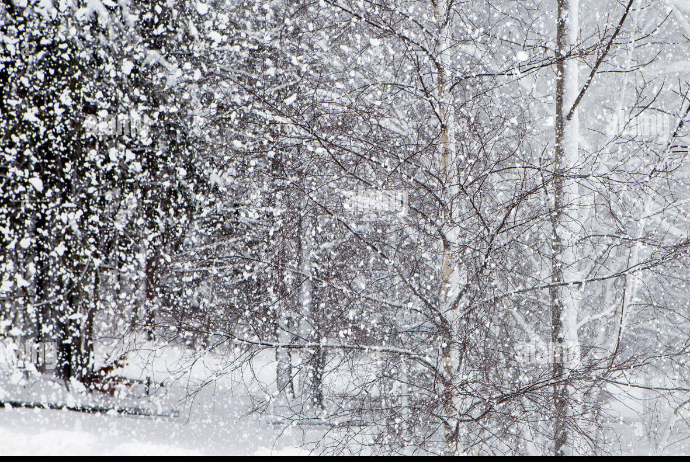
[(565, 300), (450, 195)]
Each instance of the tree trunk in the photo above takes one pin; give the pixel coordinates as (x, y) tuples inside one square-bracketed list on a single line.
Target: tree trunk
[(564, 299), (310, 329), (450, 190)]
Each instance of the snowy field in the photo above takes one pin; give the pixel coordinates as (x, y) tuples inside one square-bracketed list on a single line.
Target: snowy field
[(214, 422), (48, 432)]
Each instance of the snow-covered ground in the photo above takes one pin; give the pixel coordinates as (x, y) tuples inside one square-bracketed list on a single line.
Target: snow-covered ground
[(47, 432), (214, 422)]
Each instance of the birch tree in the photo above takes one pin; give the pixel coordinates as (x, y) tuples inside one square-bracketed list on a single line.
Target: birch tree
[(564, 300)]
